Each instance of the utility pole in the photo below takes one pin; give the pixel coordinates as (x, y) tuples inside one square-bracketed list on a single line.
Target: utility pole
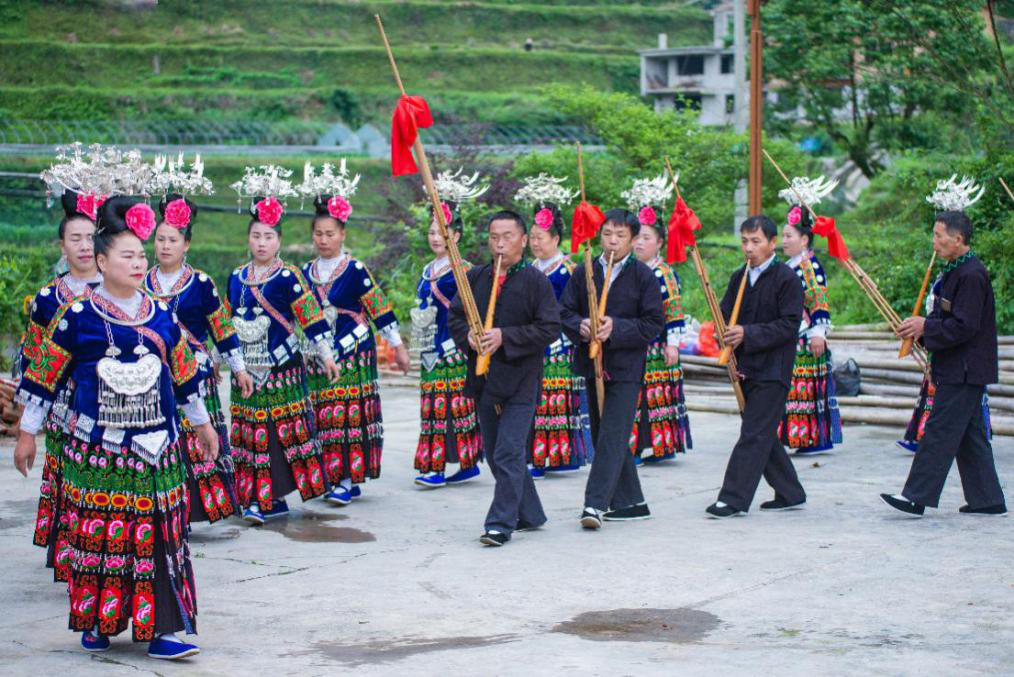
[(756, 104), (742, 98)]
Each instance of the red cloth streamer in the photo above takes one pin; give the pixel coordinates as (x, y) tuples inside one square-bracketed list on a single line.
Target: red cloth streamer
[(410, 115), (585, 224), (835, 243), (682, 225)]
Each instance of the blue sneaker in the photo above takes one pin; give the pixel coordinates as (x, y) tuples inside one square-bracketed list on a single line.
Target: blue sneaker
[(253, 515), (339, 496), (464, 475), (93, 642), (279, 508), (169, 648), (433, 480), (537, 473), (356, 491)]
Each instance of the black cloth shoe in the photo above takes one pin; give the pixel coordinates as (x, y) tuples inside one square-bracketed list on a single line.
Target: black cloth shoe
[(903, 504), (998, 509), (781, 504), (527, 526), (591, 519), (628, 514), (494, 538), (719, 510)]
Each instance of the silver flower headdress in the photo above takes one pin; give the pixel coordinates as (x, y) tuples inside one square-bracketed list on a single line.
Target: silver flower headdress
[(264, 181), (955, 196), (456, 188), (538, 190), (328, 182), (648, 193), (173, 177), (811, 191)]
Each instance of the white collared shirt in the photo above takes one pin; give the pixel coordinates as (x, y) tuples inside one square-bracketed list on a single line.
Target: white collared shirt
[(617, 266), (756, 272)]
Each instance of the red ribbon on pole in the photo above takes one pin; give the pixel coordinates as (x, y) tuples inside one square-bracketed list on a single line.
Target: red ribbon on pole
[(410, 115), (835, 243), (682, 225), (585, 223)]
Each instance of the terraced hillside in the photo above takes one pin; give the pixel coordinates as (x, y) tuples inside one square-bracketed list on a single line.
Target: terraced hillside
[(318, 59)]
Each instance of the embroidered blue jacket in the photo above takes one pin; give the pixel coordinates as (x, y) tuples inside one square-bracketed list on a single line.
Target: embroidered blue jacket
[(429, 293), (195, 301), (76, 345), (350, 300), (291, 302)]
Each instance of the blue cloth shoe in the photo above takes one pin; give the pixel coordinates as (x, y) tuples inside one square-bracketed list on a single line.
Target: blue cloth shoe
[(654, 459), (278, 509), (253, 515), (94, 643), (356, 491), (464, 475), (339, 496), (433, 480), (564, 468), (638, 460), (908, 446), (537, 473), (169, 648)]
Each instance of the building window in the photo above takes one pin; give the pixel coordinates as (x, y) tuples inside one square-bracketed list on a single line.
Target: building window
[(728, 65), (692, 64), (691, 100), (730, 104)]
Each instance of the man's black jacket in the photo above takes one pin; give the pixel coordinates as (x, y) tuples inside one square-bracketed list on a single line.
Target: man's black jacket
[(960, 332), (527, 316), (634, 304), (770, 315)]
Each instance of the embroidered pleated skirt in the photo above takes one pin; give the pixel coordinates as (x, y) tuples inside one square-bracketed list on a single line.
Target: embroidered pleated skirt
[(448, 426), (661, 423), (272, 438), (211, 485), (349, 422), (812, 421)]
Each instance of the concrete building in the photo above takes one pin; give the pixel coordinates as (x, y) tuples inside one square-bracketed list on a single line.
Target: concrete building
[(703, 77)]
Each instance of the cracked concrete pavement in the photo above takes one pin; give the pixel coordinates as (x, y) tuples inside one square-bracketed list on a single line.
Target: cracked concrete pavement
[(397, 581)]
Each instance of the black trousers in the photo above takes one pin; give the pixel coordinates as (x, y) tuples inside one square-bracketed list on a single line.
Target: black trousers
[(504, 438), (613, 482), (758, 452), (955, 429)]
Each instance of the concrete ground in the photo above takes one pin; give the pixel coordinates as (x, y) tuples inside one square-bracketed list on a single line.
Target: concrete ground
[(397, 583)]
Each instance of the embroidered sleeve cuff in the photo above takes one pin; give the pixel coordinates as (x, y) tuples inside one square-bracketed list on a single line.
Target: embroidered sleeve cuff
[(818, 330), (391, 334), (196, 412), (235, 361), (33, 417), (324, 351)]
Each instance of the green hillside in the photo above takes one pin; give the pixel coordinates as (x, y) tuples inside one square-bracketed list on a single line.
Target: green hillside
[(269, 60)]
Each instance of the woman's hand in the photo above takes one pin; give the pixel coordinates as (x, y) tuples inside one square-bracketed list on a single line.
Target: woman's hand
[(401, 358), (245, 382), (24, 453), (672, 355), (208, 438), (333, 372), (818, 344)]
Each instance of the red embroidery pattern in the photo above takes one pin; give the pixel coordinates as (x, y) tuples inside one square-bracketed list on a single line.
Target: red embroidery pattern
[(48, 365), (184, 364)]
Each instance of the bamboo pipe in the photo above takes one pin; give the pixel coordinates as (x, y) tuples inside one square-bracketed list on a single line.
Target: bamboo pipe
[(713, 306), (723, 359), (1006, 188), (906, 345), (457, 267), (858, 274), (596, 346), (482, 362), (589, 280)]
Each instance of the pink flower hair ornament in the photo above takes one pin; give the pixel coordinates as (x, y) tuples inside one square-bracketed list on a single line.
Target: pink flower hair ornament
[(544, 218), (269, 211), (339, 208), (448, 215), (140, 220), (647, 216), (795, 216), (177, 214)]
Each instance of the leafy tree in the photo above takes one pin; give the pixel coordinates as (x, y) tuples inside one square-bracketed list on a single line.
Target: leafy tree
[(867, 72)]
